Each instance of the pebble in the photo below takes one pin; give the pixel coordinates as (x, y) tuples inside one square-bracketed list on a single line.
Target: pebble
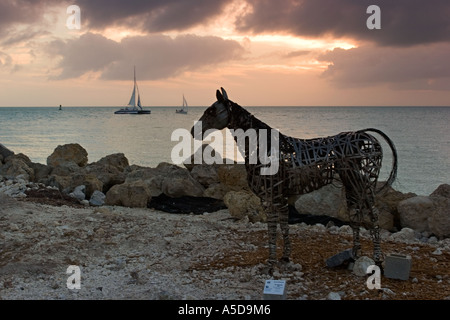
[(437, 252), (334, 296)]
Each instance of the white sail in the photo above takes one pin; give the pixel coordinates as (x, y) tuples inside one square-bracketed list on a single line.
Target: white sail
[(139, 101), (132, 102), (185, 104)]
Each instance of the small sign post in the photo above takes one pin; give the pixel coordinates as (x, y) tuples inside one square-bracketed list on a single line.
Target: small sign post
[(275, 290)]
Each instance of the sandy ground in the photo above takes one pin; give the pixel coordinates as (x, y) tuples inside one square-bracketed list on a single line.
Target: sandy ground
[(125, 253)]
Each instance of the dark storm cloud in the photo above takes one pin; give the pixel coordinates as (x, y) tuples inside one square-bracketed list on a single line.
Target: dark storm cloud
[(156, 56), (150, 15), (423, 67), (403, 22)]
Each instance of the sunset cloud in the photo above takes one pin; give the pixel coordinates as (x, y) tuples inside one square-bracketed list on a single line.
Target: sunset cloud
[(150, 16), (419, 68), (403, 22), (157, 56)]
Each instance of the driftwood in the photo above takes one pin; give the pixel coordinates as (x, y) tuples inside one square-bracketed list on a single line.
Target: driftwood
[(305, 165)]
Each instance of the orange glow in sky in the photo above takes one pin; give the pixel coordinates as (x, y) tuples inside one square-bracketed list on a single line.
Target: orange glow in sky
[(261, 53)]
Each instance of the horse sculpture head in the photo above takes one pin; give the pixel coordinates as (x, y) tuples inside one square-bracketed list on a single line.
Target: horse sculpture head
[(217, 116)]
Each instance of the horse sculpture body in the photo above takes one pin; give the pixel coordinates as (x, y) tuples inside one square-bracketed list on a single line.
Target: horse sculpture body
[(305, 165)]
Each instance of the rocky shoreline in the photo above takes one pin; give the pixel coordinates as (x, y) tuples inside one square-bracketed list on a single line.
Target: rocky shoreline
[(99, 216)]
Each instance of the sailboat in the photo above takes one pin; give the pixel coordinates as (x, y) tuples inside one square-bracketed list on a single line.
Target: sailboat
[(184, 108), (132, 108)]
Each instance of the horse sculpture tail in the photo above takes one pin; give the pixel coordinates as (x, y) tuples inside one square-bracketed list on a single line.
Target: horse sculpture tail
[(393, 173)]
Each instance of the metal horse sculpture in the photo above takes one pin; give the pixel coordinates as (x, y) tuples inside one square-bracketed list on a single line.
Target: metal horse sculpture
[(306, 165)]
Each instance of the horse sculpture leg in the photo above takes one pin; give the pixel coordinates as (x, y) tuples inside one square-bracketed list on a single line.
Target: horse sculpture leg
[(278, 214), (272, 221), (375, 233), (283, 217)]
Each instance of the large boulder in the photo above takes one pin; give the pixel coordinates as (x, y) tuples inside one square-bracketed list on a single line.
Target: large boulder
[(170, 179), (243, 204), (17, 166), (205, 174), (414, 213), (439, 220), (116, 160), (234, 176), (442, 191), (41, 171), (109, 170), (5, 152), (431, 214), (180, 183), (68, 155), (328, 200), (129, 194)]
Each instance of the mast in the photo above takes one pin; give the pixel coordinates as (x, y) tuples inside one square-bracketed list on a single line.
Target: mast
[(132, 102)]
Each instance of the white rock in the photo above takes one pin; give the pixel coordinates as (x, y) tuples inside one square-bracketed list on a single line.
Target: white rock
[(361, 265), (333, 296), (437, 252)]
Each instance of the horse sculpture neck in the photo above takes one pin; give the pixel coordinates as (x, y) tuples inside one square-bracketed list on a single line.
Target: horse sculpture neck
[(250, 133), (242, 119)]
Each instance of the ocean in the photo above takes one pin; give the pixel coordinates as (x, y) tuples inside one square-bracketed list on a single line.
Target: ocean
[(420, 134)]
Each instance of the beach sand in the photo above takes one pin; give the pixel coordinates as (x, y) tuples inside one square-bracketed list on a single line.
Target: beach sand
[(125, 253)]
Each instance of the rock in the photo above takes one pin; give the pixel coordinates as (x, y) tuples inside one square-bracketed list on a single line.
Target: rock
[(180, 183), (129, 194), (361, 265), (340, 259), (205, 174), (334, 296), (330, 200), (206, 149), (430, 214), (325, 201), (17, 165), (437, 252), (405, 235), (97, 199), (117, 160), (79, 193), (67, 155), (387, 204), (442, 191), (439, 219), (5, 152), (89, 180), (108, 174), (216, 191), (41, 171), (245, 204), (414, 212), (59, 182), (234, 176)]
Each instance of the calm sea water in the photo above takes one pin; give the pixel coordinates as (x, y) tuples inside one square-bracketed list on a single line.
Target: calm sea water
[(421, 134)]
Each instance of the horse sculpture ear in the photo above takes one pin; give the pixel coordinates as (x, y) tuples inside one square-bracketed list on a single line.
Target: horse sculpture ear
[(224, 93), (219, 96)]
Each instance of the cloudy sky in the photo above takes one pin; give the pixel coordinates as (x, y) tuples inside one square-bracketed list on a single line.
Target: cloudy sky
[(263, 52)]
